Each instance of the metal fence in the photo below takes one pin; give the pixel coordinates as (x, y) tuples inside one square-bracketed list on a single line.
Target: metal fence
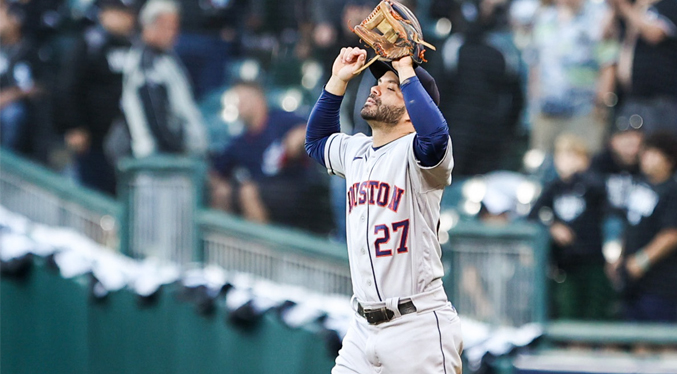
[(160, 196), (281, 255), (161, 221), (162, 217), (159, 215), (49, 199), (497, 274)]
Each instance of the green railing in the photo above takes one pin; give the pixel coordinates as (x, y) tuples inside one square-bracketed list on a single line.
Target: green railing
[(160, 197), (497, 274), (600, 347), (280, 254), (163, 217), (159, 213), (611, 333), (494, 274), (48, 198)]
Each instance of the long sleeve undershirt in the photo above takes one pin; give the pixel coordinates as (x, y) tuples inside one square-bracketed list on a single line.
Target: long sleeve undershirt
[(432, 133)]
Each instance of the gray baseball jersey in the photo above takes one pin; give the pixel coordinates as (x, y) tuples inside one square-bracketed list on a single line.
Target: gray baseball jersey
[(392, 214)]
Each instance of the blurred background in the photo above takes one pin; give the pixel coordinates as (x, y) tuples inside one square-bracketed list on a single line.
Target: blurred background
[(158, 213)]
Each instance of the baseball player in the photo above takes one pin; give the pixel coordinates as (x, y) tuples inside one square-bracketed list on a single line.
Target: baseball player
[(395, 179)]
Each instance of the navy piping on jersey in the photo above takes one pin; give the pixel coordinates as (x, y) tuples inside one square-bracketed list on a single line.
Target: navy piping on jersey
[(444, 359), (329, 158), (371, 261), (341, 149), (381, 146)]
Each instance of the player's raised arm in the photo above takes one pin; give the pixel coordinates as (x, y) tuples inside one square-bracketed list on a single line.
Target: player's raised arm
[(343, 70), (432, 132), (324, 118)]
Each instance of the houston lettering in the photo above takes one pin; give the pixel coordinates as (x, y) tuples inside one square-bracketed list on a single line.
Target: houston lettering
[(374, 193)]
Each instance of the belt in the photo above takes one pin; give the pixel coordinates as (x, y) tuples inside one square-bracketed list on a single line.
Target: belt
[(383, 314)]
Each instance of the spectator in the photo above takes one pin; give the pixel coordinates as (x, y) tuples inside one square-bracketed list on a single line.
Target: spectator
[(647, 64), (571, 73), (483, 90), (618, 164), (263, 174), (573, 207), (278, 33), (42, 18), (209, 40), (282, 18), (157, 98), (91, 88), (500, 205), (24, 127), (454, 12), (648, 266)]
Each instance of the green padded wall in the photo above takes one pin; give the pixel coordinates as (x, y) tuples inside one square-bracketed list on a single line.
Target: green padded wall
[(49, 325)]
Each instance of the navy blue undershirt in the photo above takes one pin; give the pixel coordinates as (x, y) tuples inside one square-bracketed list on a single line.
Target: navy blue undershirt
[(432, 133)]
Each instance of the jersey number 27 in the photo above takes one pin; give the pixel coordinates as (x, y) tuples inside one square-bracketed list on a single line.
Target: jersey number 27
[(401, 227)]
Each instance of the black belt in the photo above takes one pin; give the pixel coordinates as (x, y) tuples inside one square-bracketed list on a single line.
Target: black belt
[(380, 315)]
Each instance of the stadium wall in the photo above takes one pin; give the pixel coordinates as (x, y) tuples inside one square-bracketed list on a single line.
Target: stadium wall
[(52, 325)]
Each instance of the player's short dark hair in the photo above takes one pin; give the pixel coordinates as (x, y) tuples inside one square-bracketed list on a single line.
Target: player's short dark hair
[(666, 143)]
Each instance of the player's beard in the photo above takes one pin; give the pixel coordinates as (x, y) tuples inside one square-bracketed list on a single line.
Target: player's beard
[(382, 113)]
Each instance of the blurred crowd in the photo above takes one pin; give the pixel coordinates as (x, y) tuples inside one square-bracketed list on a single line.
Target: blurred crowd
[(579, 96)]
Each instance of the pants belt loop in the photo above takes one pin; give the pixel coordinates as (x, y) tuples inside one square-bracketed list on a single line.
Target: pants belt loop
[(354, 302), (393, 304)]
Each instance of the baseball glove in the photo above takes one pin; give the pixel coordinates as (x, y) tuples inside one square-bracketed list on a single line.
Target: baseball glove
[(393, 31)]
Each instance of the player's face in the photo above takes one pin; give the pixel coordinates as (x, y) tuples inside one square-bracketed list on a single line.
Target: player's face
[(385, 103)]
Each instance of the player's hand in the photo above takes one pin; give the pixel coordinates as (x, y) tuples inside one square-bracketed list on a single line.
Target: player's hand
[(403, 63), (348, 61), (404, 67)]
